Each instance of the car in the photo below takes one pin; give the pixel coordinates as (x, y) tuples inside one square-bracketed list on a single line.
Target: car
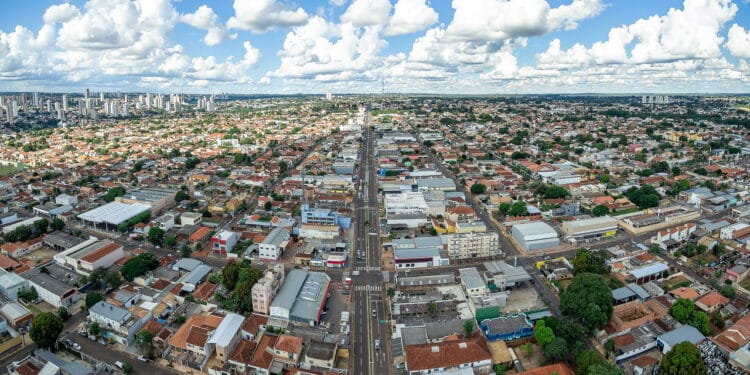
[(76, 346), (82, 333), (377, 344), (374, 313), (120, 365), (142, 358)]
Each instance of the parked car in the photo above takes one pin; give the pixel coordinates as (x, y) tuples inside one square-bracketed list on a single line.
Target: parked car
[(120, 365), (76, 346), (377, 344), (82, 333), (142, 358)]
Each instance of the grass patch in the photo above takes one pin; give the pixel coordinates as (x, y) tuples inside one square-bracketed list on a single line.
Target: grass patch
[(8, 169), (625, 212), (34, 310), (745, 283)]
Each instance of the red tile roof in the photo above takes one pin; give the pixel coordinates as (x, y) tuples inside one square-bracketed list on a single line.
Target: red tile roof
[(447, 354)]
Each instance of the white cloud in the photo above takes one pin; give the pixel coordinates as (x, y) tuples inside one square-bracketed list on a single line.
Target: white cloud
[(60, 13), (204, 18), (553, 58), (410, 16), (738, 42), (309, 51), (337, 3), (260, 16), (367, 13), (492, 20)]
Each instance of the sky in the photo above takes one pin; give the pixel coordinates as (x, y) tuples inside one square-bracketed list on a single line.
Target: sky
[(371, 46)]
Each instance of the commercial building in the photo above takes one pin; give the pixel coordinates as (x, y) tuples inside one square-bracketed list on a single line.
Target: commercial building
[(419, 252), (684, 333), (11, 284), (52, 290), (653, 271), (273, 245), (471, 245), (468, 354), (223, 242), (16, 315), (302, 298), (324, 216), (118, 323), (535, 236), (86, 259), (112, 214), (157, 199), (590, 229)]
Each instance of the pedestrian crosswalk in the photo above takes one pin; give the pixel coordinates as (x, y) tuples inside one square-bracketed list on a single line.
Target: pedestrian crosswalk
[(368, 288), (367, 268)]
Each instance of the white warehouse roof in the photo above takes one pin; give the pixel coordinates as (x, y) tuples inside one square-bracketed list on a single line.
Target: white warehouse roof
[(114, 213), (535, 231)]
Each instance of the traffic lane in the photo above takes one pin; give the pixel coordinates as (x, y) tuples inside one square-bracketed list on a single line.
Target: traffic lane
[(105, 353), (361, 336)]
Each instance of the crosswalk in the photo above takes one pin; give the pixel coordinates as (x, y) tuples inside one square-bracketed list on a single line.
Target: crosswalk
[(368, 288), (367, 268)]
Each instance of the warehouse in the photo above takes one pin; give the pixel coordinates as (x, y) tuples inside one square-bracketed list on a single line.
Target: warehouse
[(535, 236), (590, 229), (302, 297), (157, 199), (112, 214)]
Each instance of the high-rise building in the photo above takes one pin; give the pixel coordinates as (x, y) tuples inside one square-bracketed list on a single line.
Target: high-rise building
[(126, 108), (101, 96), (65, 102), (87, 94)]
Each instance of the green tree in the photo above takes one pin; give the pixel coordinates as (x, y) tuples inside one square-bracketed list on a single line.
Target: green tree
[(63, 313), (432, 308), (683, 310), (552, 191), (185, 251), (588, 300), (543, 334), (600, 210), (127, 368), (728, 291), (112, 279), (139, 265), (644, 197), (604, 368), (180, 320), (57, 224), (144, 341), (590, 261), (92, 299), (683, 359), (468, 328), (95, 329), (504, 208), (113, 193), (45, 329), (170, 241), (230, 274), (156, 235), (557, 349), (478, 189), (586, 359), (181, 196), (518, 208), (499, 369), (391, 292)]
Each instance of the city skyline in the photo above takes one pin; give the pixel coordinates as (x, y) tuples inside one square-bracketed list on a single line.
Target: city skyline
[(372, 46)]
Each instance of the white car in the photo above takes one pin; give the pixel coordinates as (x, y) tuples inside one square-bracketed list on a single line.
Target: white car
[(142, 358), (76, 346)]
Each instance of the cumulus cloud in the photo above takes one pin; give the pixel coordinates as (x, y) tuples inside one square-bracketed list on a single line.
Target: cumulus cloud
[(206, 19), (60, 13), (367, 13), (310, 51), (260, 16), (410, 16), (738, 42)]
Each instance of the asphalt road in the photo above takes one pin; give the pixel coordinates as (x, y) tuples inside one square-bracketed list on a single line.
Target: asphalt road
[(368, 293)]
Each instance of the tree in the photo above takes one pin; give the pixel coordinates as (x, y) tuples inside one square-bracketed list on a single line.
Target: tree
[(504, 208), (590, 261), (45, 329), (180, 319), (391, 292), (557, 349), (468, 328), (543, 334), (728, 291), (499, 369), (586, 359), (518, 208), (604, 368), (478, 189), (229, 275), (112, 280), (93, 298), (552, 191), (139, 265), (28, 295), (676, 171), (684, 312), (156, 235), (432, 308), (144, 341), (127, 368), (527, 349), (95, 329), (181, 196), (170, 241), (63, 313), (588, 300), (644, 197), (600, 210), (683, 359), (57, 224), (113, 193), (185, 251)]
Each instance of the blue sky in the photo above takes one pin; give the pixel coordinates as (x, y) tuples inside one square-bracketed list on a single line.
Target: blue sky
[(342, 46)]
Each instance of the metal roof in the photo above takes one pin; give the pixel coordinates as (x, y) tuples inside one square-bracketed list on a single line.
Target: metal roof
[(114, 213), (681, 334), (471, 278), (14, 311), (649, 270), (226, 330), (110, 311), (535, 231)]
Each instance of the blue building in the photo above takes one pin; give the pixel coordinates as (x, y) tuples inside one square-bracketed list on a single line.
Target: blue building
[(324, 216), (507, 327)]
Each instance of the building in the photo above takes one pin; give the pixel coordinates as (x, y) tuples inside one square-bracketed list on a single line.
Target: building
[(191, 218), (223, 242), (102, 253), (51, 289), (273, 245), (111, 215), (226, 336), (472, 282), (16, 315), (418, 252), (471, 245), (449, 356), (711, 302), (507, 328), (653, 271), (324, 216), (589, 229), (264, 291), (535, 236), (165, 222), (61, 241), (319, 231), (118, 323), (11, 284), (735, 336), (684, 333), (501, 275), (157, 199), (320, 355), (302, 297)]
